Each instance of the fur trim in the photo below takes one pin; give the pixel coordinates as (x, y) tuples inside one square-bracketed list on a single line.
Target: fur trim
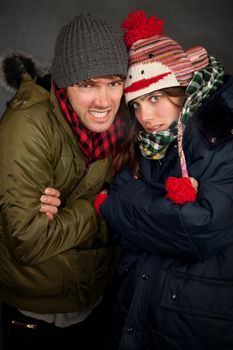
[(16, 66)]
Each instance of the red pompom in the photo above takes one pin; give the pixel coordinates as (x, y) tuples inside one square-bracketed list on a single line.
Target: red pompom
[(180, 190), (137, 26), (99, 199)]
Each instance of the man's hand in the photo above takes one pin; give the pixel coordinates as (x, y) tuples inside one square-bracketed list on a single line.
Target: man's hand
[(50, 202)]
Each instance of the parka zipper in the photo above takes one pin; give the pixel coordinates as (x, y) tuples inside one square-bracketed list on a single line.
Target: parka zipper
[(22, 324)]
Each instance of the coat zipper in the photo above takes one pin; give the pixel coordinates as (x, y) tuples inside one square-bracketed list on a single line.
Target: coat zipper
[(25, 325)]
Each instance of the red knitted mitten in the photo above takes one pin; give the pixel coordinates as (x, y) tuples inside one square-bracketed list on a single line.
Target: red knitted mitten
[(99, 199), (180, 190)]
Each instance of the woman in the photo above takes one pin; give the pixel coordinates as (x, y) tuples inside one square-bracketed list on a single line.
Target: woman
[(171, 202)]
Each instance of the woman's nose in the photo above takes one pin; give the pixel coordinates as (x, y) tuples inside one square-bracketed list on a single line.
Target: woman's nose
[(146, 114)]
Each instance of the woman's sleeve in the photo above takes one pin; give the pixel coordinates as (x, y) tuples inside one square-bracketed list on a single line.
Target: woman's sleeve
[(141, 214), (122, 178)]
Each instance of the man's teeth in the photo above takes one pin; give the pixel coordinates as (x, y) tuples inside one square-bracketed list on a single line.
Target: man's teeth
[(99, 114)]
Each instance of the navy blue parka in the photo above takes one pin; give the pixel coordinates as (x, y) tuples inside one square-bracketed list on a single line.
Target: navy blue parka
[(174, 280)]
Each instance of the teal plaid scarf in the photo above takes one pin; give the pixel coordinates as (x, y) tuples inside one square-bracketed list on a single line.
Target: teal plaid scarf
[(202, 85)]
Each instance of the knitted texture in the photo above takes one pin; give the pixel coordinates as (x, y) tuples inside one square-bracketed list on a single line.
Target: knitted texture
[(159, 62), (203, 84), (88, 47), (98, 201), (94, 145), (180, 190)]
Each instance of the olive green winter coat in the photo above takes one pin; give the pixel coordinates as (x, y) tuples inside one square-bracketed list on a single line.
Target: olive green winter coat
[(62, 265)]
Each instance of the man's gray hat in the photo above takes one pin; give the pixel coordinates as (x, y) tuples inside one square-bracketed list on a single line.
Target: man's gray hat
[(88, 47)]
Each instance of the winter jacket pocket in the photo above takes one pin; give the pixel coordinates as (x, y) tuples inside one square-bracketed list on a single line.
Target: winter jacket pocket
[(211, 298), (196, 314)]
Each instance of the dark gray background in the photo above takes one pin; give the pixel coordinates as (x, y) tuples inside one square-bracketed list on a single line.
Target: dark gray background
[(31, 26)]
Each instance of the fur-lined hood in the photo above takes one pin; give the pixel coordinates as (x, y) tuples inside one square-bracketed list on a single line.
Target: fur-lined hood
[(17, 66)]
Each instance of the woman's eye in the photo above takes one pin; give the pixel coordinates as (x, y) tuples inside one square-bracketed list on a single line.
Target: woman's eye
[(154, 98), (135, 105)]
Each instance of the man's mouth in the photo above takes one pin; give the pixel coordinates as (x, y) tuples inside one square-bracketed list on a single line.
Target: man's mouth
[(99, 114)]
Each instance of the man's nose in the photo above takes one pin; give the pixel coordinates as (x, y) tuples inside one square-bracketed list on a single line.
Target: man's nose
[(102, 98)]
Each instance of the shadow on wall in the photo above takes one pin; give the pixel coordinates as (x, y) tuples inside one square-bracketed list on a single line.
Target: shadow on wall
[(5, 96)]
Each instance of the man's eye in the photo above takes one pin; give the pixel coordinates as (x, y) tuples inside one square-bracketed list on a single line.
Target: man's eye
[(116, 83), (82, 85)]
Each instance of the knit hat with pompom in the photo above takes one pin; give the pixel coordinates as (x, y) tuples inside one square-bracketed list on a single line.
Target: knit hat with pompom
[(156, 61)]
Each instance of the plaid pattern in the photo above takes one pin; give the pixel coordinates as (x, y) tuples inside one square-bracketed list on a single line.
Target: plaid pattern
[(93, 145), (203, 84), (154, 145)]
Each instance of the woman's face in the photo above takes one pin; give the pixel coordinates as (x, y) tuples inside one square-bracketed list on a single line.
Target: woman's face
[(157, 111)]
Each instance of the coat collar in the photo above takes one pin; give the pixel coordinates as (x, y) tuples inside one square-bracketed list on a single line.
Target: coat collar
[(215, 117), (29, 94)]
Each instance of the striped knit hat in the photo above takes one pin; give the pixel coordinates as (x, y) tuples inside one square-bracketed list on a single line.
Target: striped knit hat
[(156, 61)]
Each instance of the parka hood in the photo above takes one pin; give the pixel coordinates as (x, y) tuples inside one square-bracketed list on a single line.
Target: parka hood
[(18, 66)]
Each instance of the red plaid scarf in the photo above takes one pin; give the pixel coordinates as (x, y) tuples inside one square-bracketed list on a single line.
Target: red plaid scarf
[(93, 145)]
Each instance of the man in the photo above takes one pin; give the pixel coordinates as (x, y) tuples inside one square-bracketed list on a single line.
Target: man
[(53, 272)]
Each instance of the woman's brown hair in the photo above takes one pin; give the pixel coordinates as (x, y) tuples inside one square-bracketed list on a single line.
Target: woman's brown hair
[(126, 152)]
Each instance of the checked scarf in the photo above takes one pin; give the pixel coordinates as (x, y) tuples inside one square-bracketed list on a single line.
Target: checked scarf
[(202, 85), (93, 145)]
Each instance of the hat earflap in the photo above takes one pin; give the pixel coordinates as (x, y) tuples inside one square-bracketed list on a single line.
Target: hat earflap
[(198, 56)]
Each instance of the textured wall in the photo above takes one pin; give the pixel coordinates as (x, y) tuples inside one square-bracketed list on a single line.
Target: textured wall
[(31, 26)]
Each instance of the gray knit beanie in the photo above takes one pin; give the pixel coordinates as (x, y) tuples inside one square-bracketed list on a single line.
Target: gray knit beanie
[(88, 47)]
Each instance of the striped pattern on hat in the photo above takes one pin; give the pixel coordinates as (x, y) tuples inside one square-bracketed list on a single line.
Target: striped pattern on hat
[(159, 62)]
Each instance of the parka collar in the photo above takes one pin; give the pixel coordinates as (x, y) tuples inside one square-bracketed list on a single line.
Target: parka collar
[(215, 117), (29, 94)]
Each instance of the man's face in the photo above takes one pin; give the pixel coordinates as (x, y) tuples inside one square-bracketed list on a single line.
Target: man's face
[(96, 101)]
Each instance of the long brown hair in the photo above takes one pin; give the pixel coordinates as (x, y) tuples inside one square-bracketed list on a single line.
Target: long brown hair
[(127, 151)]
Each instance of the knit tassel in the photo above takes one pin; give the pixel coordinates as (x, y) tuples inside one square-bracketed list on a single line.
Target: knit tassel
[(180, 190)]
